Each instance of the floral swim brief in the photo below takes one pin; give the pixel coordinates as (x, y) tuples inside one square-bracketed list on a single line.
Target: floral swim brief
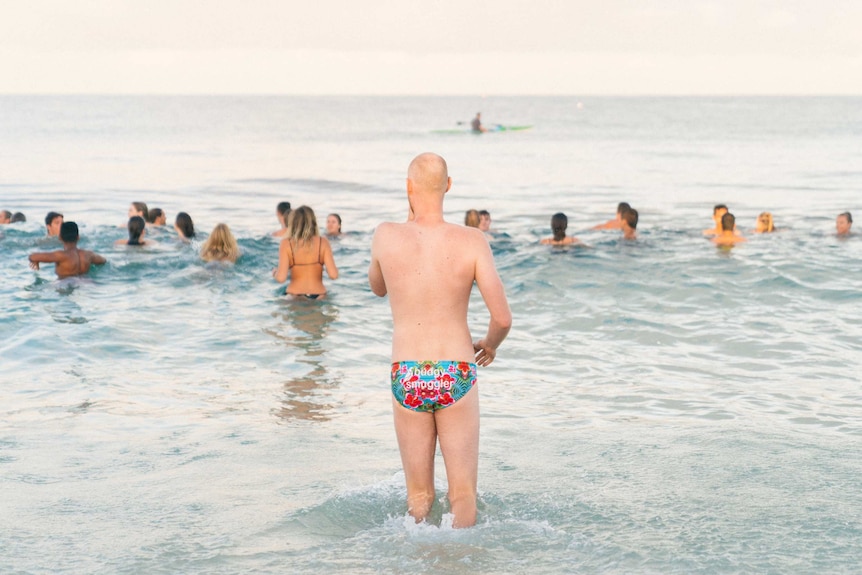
[(431, 385)]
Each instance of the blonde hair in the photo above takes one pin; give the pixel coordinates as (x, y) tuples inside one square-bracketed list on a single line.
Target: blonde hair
[(220, 246), (302, 225), (768, 221), (471, 219)]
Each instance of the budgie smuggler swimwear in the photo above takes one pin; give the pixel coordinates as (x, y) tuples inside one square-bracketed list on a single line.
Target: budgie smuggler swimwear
[(431, 385)]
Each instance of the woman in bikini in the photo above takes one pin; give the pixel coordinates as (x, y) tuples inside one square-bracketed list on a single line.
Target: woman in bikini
[(303, 254), (559, 223)]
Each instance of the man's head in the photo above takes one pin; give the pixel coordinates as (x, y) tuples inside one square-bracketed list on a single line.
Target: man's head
[(428, 175), (5, 217), (843, 223), (53, 221), (559, 224), (718, 212), (282, 210), (629, 218), (728, 222), (18, 217), (69, 232), (621, 207), (484, 220), (157, 217)]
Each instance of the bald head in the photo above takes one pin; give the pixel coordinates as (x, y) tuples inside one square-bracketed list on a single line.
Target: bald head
[(428, 173)]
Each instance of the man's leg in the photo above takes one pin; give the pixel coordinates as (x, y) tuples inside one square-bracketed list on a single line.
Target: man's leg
[(417, 440), (458, 430)]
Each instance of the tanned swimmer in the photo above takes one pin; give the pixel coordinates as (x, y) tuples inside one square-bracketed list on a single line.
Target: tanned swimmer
[(427, 267), (303, 254), (70, 261), (617, 222), (728, 235)]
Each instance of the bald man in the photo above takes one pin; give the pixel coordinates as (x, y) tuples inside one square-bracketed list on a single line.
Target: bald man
[(427, 267)]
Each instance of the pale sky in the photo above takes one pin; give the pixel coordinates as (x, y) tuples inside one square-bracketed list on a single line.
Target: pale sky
[(615, 47)]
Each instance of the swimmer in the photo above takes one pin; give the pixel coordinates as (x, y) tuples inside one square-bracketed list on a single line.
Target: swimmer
[(843, 223), (157, 217), (139, 209), (18, 217), (333, 225), (427, 267), (476, 124), (717, 212), (137, 230), (184, 226), (70, 261), (303, 255), (485, 220), (5, 217), (764, 224), (559, 224), (629, 223), (53, 221), (617, 222), (471, 219), (282, 213), (220, 246), (728, 235)]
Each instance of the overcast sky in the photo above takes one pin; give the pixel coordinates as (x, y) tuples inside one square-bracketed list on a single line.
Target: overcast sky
[(436, 47)]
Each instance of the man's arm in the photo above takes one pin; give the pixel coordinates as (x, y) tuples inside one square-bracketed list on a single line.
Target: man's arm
[(97, 259), (491, 288), (375, 273), (44, 258)]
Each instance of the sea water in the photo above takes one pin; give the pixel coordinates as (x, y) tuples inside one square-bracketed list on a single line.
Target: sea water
[(661, 406)]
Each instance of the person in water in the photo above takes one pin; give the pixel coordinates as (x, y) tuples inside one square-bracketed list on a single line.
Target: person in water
[(629, 219), (282, 213), (617, 222), (485, 220), (303, 255), (476, 124), (18, 217), (728, 236), (137, 230), (764, 224), (718, 212), (184, 226), (139, 209), (559, 224), (70, 261), (333, 225), (471, 219), (53, 221), (843, 223), (157, 217), (5, 217), (220, 246), (428, 267)]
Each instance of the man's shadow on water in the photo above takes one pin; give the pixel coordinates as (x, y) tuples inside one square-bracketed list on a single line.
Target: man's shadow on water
[(303, 326)]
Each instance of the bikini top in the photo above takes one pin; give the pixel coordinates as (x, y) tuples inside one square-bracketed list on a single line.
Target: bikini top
[(319, 255)]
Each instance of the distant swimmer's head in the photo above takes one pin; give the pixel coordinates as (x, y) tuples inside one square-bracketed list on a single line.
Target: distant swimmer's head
[(184, 225), (621, 207), (53, 221), (484, 220), (303, 224), (5, 217), (630, 218), (764, 223), (717, 212), (69, 232), (428, 172), (843, 223), (221, 245), (333, 225), (471, 219), (139, 209), (136, 226), (157, 217), (18, 217), (728, 222), (559, 224), (281, 212)]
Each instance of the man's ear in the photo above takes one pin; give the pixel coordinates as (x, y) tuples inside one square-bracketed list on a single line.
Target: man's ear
[(448, 184)]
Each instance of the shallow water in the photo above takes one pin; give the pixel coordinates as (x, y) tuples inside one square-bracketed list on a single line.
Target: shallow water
[(660, 406)]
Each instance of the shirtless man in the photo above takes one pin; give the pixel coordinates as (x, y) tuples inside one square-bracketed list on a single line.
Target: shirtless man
[(70, 261), (53, 221), (428, 267), (728, 235), (5, 217), (717, 213), (485, 220), (617, 222), (629, 220)]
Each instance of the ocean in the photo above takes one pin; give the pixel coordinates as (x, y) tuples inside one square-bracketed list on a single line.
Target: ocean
[(660, 406)]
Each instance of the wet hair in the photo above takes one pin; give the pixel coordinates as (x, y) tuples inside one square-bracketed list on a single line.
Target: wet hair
[(136, 227), (142, 207), (728, 221), (559, 223), (7, 215), (848, 216), (484, 213), (303, 225), (69, 232), (221, 245), (18, 217), (337, 217), (283, 208), (766, 218), (154, 214), (471, 219), (49, 219), (719, 207), (623, 206), (630, 216), (184, 222)]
